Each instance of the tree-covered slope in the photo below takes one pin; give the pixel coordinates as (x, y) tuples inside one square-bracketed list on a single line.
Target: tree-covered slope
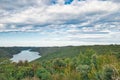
[(71, 51), (59, 52), (8, 52), (86, 65)]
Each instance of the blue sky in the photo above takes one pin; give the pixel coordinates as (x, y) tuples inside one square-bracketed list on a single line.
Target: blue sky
[(59, 22)]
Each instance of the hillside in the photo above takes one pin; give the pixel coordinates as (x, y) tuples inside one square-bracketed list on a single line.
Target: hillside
[(8, 52), (71, 51), (66, 63), (59, 52)]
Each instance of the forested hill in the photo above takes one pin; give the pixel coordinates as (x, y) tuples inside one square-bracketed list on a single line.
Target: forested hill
[(65, 63), (8, 52), (72, 51), (55, 52)]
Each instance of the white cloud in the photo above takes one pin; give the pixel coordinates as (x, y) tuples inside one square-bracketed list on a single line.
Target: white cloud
[(81, 20), (59, 13), (2, 26), (13, 26), (88, 36), (60, 2)]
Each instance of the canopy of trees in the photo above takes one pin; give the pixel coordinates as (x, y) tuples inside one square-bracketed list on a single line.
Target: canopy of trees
[(88, 64)]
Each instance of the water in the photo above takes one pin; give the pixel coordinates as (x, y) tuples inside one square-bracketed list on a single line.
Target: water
[(25, 55)]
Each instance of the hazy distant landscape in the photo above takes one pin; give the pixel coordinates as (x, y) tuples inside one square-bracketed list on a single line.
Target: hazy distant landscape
[(98, 62), (59, 39)]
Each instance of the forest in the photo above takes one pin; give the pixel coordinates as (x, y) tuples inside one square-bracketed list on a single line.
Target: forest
[(98, 62)]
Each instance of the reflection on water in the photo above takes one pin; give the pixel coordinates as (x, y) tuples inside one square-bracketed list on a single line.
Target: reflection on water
[(25, 55)]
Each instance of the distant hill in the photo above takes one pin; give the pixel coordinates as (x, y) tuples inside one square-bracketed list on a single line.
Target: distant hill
[(8, 52), (98, 62), (59, 52), (72, 51)]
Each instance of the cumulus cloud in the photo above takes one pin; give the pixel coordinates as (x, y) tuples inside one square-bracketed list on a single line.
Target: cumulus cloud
[(51, 13), (72, 19), (2, 26)]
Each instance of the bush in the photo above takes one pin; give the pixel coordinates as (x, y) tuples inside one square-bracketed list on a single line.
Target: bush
[(43, 74), (108, 73), (84, 70)]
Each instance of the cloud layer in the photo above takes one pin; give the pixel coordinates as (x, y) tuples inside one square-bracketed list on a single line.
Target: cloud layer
[(87, 21)]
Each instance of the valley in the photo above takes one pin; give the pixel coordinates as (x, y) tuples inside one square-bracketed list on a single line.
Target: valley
[(98, 62)]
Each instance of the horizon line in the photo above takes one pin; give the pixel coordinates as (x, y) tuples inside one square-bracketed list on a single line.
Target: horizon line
[(65, 45)]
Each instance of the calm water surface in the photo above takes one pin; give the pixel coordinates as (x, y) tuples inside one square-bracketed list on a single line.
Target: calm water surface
[(25, 55)]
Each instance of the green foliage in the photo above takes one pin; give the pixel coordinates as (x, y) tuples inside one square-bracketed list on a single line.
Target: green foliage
[(8, 52), (108, 73), (43, 74), (66, 63), (118, 55), (84, 70), (58, 63)]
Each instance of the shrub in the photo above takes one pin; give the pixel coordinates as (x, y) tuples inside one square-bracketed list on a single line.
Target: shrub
[(43, 74), (108, 73)]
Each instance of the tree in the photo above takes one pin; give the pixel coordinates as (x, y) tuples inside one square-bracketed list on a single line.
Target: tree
[(43, 74), (108, 72), (84, 70)]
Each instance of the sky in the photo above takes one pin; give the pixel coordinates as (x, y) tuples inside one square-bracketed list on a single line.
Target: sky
[(59, 22)]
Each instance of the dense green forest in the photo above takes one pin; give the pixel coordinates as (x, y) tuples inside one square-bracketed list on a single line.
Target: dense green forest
[(8, 52), (99, 62)]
